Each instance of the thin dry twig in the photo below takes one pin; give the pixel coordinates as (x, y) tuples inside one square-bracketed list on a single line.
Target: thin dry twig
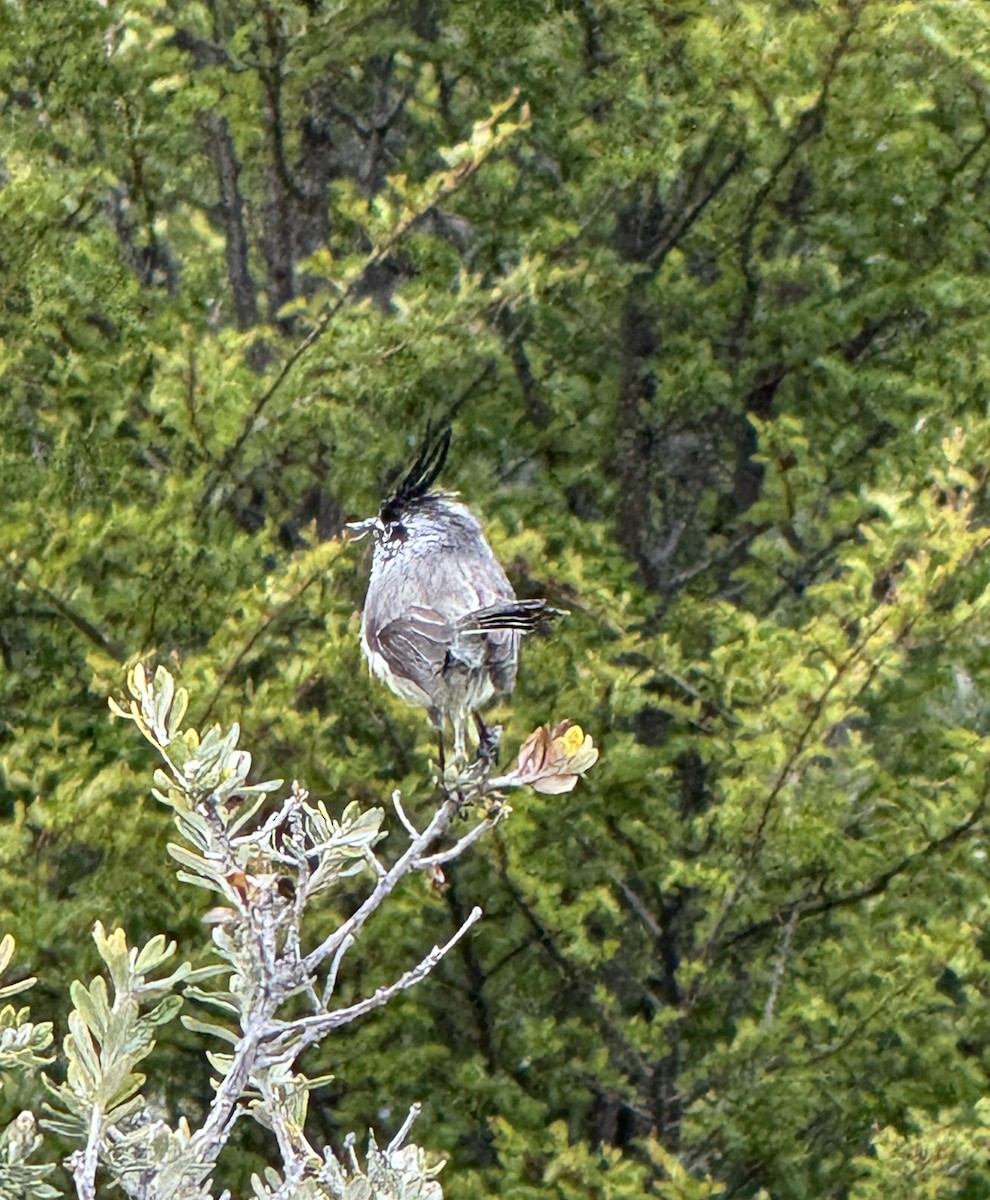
[(305, 1031)]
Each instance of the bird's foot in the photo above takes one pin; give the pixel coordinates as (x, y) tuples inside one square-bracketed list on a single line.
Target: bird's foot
[(489, 740)]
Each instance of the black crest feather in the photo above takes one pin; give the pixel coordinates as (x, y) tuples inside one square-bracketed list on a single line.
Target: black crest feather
[(420, 477)]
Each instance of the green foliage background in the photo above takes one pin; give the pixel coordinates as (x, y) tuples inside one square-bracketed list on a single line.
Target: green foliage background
[(713, 331)]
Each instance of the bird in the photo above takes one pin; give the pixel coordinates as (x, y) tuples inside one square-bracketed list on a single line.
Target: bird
[(441, 623)]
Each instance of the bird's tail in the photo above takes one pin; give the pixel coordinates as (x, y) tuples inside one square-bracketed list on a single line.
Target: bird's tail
[(524, 616)]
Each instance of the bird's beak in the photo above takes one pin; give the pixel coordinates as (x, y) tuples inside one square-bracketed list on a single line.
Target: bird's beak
[(354, 531)]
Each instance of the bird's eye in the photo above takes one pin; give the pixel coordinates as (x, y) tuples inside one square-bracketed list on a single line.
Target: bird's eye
[(397, 532)]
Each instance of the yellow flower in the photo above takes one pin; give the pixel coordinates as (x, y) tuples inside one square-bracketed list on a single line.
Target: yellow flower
[(553, 759)]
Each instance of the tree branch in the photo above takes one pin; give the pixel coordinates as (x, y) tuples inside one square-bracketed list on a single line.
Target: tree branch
[(635, 1064), (86, 1161), (386, 884), (449, 183), (269, 619), (295, 1036), (814, 904), (228, 169)]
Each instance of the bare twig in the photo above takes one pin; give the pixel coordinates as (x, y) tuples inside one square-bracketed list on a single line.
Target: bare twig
[(292, 1146), (331, 983), (443, 856), (403, 1131), (400, 812), (75, 619), (373, 864), (779, 966), (85, 1162), (386, 884), (637, 906), (295, 1036), (207, 1142)]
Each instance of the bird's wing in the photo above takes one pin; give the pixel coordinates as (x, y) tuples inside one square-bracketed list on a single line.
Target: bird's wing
[(454, 617), (415, 647)]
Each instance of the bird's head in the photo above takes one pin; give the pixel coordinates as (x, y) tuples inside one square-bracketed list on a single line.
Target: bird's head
[(389, 526)]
